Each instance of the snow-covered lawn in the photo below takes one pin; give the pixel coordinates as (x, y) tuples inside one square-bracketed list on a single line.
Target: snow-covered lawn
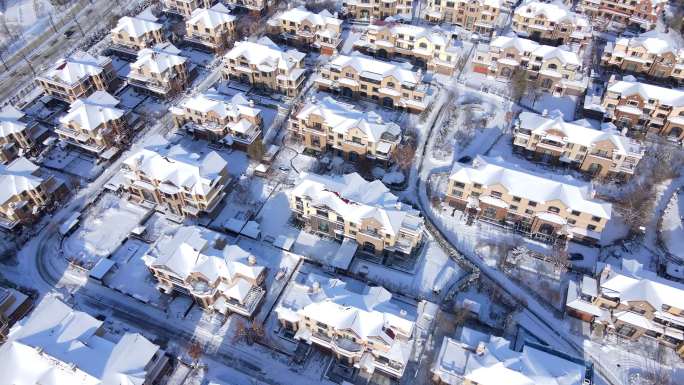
[(672, 229), (131, 276), (102, 230)]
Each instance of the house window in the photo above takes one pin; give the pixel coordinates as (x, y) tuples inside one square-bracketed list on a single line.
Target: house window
[(495, 194), (516, 199), (554, 209), (595, 218), (532, 203)]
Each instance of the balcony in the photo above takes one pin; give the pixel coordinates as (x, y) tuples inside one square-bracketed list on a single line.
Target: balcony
[(347, 346)]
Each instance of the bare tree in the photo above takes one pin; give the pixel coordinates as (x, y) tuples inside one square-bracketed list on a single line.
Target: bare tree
[(319, 5), (405, 154), (519, 84), (195, 351)]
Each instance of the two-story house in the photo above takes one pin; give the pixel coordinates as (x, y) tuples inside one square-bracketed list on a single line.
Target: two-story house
[(365, 10), (617, 15), (95, 124), (175, 181), (160, 70), (479, 16), (601, 153), (232, 121), (77, 76), (641, 107), (213, 28), (263, 64), (540, 207), (132, 34), (387, 83), (19, 135), (362, 326), (551, 69), (551, 23), (306, 29), (197, 262), (184, 8), (430, 48), (331, 125), (653, 54), (350, 207), (254, 7), (25, 193)]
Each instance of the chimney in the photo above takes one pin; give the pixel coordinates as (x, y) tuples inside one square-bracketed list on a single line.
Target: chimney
[(251, 260), (251, 103), (378, 120), (315, 287), (545, 112), (481, 348)]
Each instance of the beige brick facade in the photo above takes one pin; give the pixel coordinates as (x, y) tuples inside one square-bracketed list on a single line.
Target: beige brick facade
[(160, 70), (77, 76), (136, 33), (18, 134), (185, 7), (376, 9), (551, 23), (616, 15), (479, 16), (213, 28)]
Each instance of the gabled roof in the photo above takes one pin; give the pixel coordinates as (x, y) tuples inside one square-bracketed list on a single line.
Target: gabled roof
[(136, 26), (533, 48), (669, 96), (654, 42), (368, 66), (265, 54), (300, 14), (177, 168), (75, 67), (237, 106), (555, 12), (578, 134), (159, 58), (356, 200), (212, 17), (9, 121), (342, 117), (490, 171), (66, 337), (95, 110), (629, 287), (17, 177)]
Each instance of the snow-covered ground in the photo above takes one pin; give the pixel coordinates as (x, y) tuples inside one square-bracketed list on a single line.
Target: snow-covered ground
[(671, 228)]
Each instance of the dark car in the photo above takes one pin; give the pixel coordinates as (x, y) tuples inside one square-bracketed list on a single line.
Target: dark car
[(465, 159)]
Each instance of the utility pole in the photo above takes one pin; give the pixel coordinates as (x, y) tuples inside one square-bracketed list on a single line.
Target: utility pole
[(79, 26), (29, 63), (3, 62), (52, 23)]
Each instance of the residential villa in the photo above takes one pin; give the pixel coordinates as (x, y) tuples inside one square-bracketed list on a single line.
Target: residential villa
[(386, 83), (132, 34), (631, 304), (174, 181), (551, 23), (13, 306), (653, 54), (479, 16), (197, 262), (367, 10), (184, 8), (330, 125), (617, 15), (551, 69), (602, 153), (263, 64), (58, 345), (535, 205), (430, 48), (363, 326), (308, 30), (19, 135), (349, 207), (25, 193), (214, 117), (77, 76), (160, 70), (255, 7), (477, 358), (95, 124), (644, 107), (212, 28)]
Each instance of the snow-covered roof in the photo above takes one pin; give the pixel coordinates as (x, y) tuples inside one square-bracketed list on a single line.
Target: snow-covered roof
[(57, 345), (496, 361), (555, 12), (368, 312), (356, 199), (10, 122), (577, 134), (535, 49), (265, 54), (76, 67), (669, 96), (177, 168), (300, 14), (212, 17), (627, 287), (17, 177), (95, 110), (436, 35), (490, 172), (342, 117), (159, 58), (136, 26), (372, 68), (654, 42), (195, 250), (234, 107)]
